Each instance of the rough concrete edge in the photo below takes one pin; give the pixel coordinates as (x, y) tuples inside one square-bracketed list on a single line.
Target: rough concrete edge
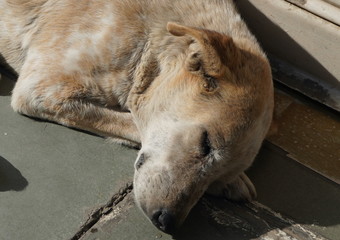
[(105, 209), (295, 231)]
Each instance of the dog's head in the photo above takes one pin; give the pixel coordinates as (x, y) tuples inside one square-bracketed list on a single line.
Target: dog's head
[(203, 117)]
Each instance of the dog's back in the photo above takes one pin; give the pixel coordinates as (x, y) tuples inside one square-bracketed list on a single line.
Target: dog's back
[(22, 20)]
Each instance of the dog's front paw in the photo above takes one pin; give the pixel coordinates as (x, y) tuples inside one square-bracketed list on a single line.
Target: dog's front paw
[(241, 189)]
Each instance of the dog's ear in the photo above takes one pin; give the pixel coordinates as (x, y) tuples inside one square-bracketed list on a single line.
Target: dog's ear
[(217, 52)]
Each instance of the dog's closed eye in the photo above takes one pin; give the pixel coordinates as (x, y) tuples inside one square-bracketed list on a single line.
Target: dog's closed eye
[(205, 144)]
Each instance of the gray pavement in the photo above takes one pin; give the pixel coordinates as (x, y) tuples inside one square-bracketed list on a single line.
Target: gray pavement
[(60, 183)]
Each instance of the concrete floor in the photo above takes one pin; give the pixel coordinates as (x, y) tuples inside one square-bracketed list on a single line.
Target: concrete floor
[(59, 183)]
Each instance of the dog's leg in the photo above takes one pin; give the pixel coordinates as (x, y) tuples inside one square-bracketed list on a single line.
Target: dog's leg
[(240, 189), (73, 102)]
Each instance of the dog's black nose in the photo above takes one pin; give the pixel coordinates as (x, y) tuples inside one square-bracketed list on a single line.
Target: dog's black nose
[(164, 221)]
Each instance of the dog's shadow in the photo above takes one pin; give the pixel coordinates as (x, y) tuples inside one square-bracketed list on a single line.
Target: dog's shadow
[(7, 81), (217, 219), (11, 178)]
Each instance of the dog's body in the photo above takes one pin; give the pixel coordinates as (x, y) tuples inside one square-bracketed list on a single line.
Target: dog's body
[(197, 94)]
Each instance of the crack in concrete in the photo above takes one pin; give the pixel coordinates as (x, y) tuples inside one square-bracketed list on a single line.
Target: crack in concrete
[(103, 210)]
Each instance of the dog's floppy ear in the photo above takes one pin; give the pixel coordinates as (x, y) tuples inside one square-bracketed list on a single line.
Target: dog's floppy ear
[(217, 51)]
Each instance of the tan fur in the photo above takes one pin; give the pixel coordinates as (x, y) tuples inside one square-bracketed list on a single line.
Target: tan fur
[(184, 78)]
